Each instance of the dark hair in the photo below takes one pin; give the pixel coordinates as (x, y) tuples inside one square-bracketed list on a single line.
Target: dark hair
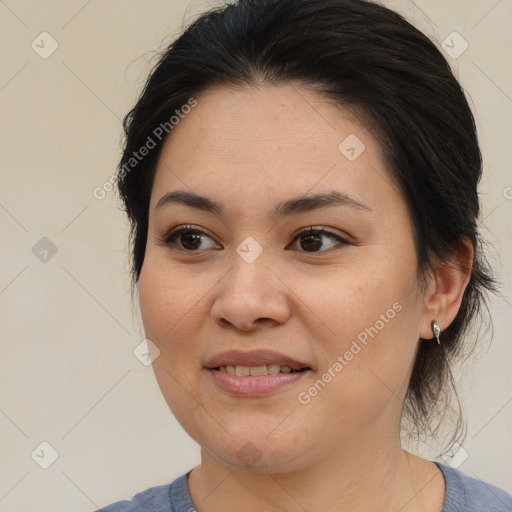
[(360, 54)]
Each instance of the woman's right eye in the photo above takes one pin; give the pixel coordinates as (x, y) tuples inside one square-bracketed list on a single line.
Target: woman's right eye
[(188, 239)]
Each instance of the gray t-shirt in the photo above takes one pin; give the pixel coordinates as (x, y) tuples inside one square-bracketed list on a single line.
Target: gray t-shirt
[(463, 494)]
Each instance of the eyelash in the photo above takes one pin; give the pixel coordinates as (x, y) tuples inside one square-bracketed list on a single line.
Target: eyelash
[(168, 239)]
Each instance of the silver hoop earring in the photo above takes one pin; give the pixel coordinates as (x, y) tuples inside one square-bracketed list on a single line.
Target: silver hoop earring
[(436, 329)]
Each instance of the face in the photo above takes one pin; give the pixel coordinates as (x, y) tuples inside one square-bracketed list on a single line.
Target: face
[(330, 284)]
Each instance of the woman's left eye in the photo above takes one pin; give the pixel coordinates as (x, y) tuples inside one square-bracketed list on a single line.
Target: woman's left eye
[(190, 239), (312, 239)]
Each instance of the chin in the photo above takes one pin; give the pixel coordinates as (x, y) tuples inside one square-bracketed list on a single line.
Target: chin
[(256, 453)]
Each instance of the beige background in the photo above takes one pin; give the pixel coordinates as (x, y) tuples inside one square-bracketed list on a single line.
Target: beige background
[(68, 373)]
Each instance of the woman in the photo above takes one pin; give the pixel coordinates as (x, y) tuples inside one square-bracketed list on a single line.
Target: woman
[(301, 180)]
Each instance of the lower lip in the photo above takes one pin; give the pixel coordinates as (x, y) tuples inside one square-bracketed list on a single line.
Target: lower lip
[(260, 385)]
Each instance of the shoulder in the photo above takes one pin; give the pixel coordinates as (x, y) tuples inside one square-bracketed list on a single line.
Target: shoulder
[(172, 497), (467, 494), (154, 498)]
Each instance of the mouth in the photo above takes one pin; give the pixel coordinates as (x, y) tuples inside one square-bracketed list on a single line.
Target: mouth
[(256, 371), (255, 362)]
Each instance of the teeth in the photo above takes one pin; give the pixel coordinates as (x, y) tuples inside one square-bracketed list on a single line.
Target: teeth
[(258, 370), (272, 369), (244, 371)]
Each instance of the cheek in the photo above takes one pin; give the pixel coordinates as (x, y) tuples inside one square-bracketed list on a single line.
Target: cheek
[(352, 298), (168, 318), (370, 318), (168, 312), (169, 301)]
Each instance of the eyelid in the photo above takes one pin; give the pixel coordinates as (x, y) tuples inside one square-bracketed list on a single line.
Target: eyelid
[(190, 227), (323, 230), (183, 228)]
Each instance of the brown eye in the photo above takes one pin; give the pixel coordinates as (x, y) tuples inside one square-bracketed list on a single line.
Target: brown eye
[(188, 239), (311, 239)]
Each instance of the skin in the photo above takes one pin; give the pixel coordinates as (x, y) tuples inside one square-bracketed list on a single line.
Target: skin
[(251, 148)]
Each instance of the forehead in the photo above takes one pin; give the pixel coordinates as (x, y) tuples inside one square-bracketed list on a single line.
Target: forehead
[(259, 140), (286, 116)]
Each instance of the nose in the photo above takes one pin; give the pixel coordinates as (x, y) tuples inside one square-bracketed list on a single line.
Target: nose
[(251, 295)]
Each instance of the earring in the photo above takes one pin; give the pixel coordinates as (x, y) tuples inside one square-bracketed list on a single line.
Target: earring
[(436, 329)]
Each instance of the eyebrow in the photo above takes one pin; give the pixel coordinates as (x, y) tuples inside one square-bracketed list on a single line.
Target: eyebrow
[(292, 206)]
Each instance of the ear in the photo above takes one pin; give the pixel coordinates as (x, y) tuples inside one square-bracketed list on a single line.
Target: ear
[(445, 289)]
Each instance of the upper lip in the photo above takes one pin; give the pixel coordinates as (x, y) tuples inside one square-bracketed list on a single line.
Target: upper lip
[(253, 358)]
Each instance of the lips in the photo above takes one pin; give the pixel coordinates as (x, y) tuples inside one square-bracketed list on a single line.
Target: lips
[(255, 373), (254, 358)]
